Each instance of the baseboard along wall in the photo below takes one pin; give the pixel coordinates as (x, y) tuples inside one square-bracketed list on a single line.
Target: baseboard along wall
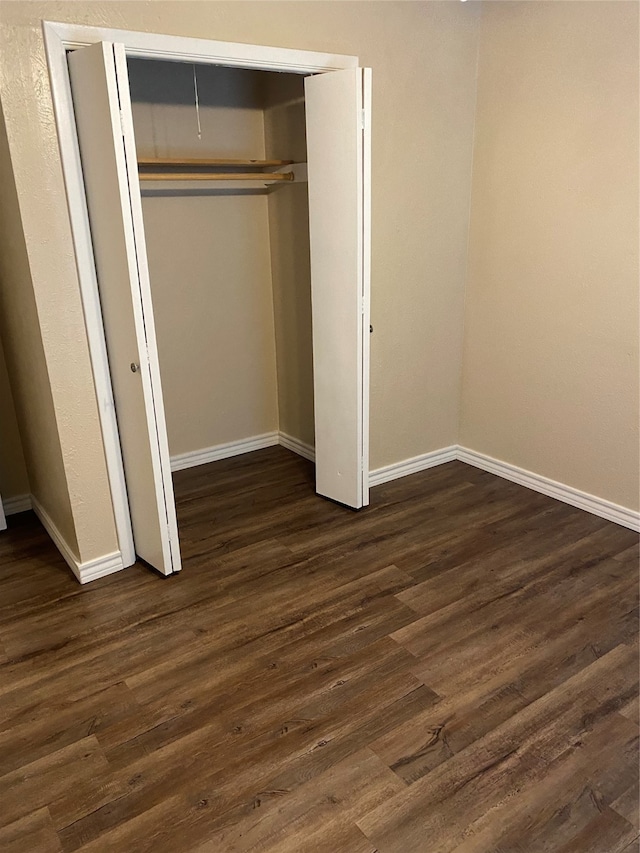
[(19, 503), (567, 494), (223, 451), (84, 572), (109, 563), (297, 446), (413, 465), (561, 492)]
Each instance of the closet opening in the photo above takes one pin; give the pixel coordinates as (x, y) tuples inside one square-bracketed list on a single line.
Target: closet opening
[(228, 254)]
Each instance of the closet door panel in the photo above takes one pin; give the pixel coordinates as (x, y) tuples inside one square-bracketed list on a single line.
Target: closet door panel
[(155, 402), (118, 249), (338, 180)]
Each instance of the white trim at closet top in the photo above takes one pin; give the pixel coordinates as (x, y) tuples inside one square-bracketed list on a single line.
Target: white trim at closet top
[(58, 39), (187, 49)]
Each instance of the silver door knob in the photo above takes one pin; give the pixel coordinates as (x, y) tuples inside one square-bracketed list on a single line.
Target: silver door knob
[(134, 367)]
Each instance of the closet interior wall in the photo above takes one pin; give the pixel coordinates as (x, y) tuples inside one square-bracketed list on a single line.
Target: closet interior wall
[(285, 138)]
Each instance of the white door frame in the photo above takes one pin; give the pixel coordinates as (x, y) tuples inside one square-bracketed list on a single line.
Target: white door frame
[(58, 39)]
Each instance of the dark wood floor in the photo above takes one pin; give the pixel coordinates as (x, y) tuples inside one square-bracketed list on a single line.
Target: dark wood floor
[(453, 669)]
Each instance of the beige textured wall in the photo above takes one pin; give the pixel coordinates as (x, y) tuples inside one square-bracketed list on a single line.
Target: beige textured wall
[(284, 125), (43, 327), (208, 255), (13, 472), (551, 324), (23, 350), (424, 60)]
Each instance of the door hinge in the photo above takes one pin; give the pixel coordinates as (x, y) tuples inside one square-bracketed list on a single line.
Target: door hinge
[(363, 119), (121, 122), (363, 306)]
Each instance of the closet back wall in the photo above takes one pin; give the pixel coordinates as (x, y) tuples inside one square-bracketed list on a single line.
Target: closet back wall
[(209, 256)]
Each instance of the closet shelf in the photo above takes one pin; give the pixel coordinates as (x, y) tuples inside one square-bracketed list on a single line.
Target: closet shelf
[(216, 176), (209, 161), (211, 169)]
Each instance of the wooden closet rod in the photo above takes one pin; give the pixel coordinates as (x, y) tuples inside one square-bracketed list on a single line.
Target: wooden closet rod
[(215, 176), (207, 161)]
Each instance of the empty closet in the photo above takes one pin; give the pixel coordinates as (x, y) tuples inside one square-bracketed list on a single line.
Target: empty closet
[(233, 293), (228, 252)]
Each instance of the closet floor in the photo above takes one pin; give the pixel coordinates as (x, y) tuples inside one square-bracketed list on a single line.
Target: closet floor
[(452, 669)]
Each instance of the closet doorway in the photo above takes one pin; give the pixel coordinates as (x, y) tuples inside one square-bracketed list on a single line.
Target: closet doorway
[(122, 182)]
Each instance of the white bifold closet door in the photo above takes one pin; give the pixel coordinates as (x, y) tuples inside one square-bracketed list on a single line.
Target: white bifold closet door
[(337, 107), (102, 105)]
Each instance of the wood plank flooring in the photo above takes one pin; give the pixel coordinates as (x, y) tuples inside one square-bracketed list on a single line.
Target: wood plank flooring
[(454, 668)]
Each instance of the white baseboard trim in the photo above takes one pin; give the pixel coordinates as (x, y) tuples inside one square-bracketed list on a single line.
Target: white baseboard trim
[(19, 503), (60, 543), (110, 563), (297, 446), (91, 569), (413, 465), (567, 494), (237, 448), (101, 567), (223, 451)]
